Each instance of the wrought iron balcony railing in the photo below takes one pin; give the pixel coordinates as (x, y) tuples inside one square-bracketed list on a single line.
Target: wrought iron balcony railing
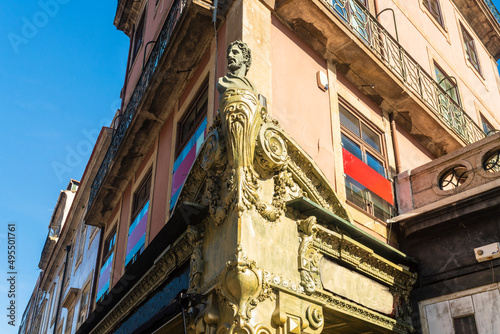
[(397, 59), (147, 73)]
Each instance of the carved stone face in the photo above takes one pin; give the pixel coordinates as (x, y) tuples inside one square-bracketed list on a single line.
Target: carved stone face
[(235, 59)]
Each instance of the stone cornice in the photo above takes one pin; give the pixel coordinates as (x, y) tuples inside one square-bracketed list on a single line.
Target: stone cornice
[(350, 252)]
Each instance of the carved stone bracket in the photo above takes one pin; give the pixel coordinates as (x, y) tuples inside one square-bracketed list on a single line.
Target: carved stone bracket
[(309, 257), (207, 318), (240, 150), (195, 237), (242, 287)]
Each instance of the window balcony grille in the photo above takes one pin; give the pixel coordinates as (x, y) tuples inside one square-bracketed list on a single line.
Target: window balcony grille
[(148, 71)]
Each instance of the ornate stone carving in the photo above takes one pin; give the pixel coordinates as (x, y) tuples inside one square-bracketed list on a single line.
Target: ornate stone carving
[(195, 237), (242, 287), (207, 318), (314, 315), (240, 122), (309, 257)]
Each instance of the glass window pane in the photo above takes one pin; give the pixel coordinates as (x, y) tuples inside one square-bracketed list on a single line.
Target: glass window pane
[(356, 192), (370, 137), (487, 128), (349, 120), (375, 164), (448, 83), (352, 147)]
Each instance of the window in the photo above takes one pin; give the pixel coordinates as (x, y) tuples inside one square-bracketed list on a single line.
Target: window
[(70, 262), (189, 123), (470, 49), (191, 132), (449, 84), (435, 9), (49, 308), (81, 241), (465, 325), (487, 127), (69, 320), (365, 168), (139, 222), (107, 265), (82, 310), (138, 37), (58, 291), (141, 196), (109, 245)]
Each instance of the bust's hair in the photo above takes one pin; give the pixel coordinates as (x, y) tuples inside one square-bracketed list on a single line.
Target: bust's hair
[(247, 54)]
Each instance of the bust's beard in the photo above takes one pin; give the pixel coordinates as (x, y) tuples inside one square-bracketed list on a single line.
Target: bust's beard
[(233, 67)]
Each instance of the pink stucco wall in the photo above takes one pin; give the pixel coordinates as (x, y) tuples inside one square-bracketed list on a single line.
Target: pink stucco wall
[(297, 103)]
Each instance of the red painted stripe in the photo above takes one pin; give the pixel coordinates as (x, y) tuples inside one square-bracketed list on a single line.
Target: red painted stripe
[(367, 176)]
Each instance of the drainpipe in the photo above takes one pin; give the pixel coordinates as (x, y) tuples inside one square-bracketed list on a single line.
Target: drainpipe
[(68, 248), (395, 144), (393, 19)]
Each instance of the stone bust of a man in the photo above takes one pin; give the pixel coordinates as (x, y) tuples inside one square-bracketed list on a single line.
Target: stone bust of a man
[(239, 59)]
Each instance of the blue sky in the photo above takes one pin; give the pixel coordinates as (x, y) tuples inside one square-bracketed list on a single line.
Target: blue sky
[(62, 69)]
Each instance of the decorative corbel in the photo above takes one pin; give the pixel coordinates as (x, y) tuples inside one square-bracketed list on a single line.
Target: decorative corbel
[(309, 257), (242, 287), (195, 238)]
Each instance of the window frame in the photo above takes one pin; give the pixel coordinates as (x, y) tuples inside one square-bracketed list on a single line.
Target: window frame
[(447, 77), (138, 41), (368, 206), (485, 122), (70, 314), (82, 308), (105, 247), (81, 245), (364, 146), (470, 49), (138, 204), (183, 138), (438, 17)]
